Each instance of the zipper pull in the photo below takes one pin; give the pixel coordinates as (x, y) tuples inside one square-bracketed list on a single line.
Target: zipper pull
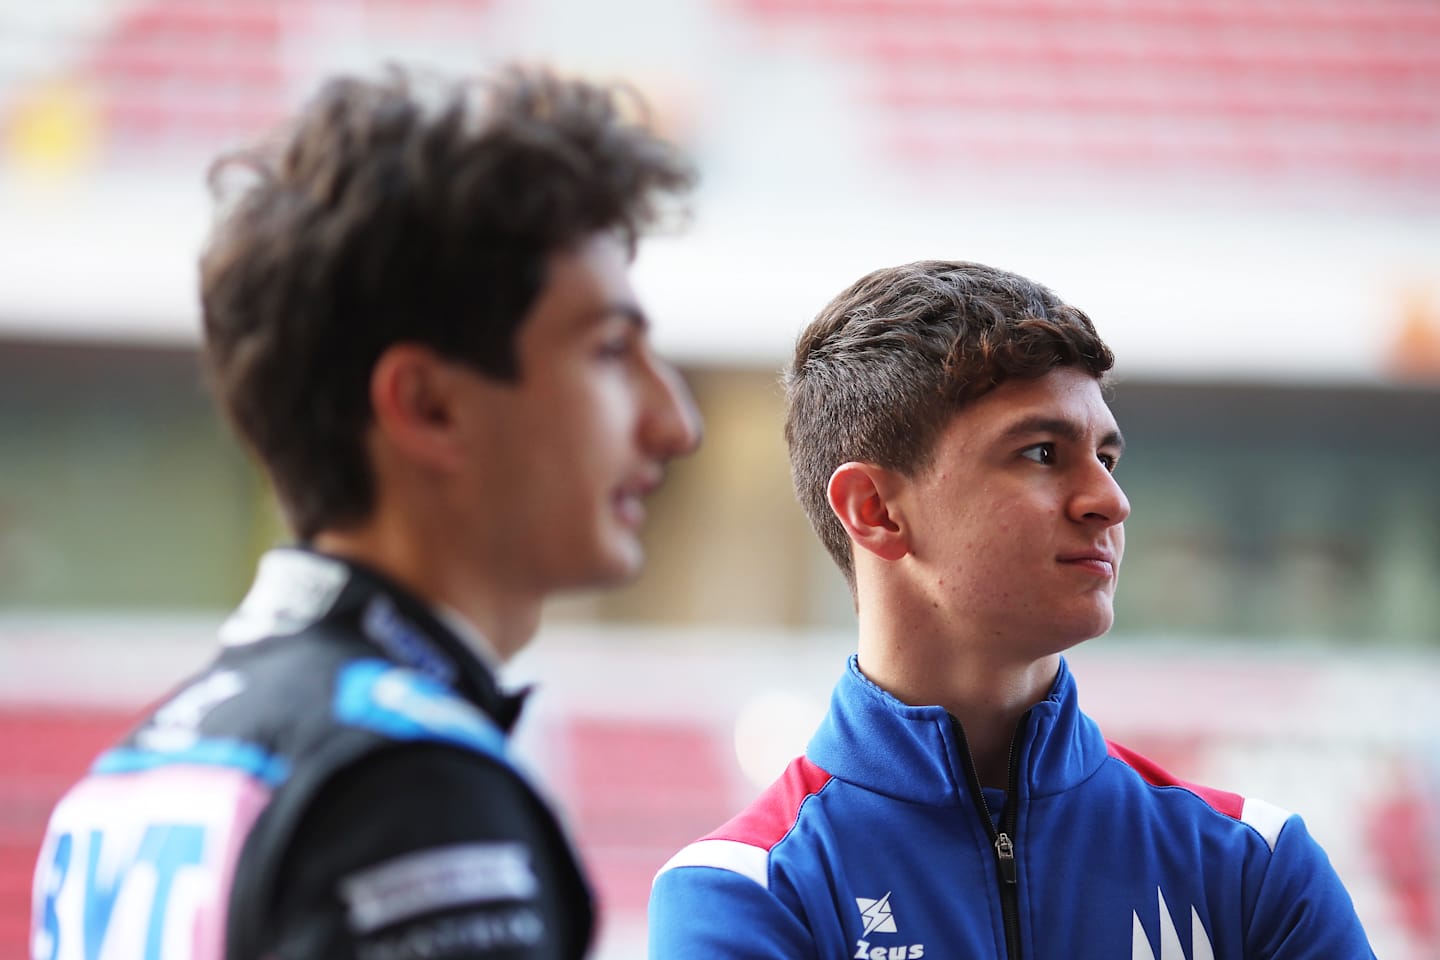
[(1005, 851)]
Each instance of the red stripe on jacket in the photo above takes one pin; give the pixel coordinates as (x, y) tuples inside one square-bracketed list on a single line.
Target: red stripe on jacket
[(1230, 804), (766, 821)]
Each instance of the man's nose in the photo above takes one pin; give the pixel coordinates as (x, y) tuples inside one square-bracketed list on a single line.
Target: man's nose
[(1101, 499), (674, 426)]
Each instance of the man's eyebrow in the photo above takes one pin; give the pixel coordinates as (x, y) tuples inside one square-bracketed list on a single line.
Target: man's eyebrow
[(622, 310), (1062, 427)]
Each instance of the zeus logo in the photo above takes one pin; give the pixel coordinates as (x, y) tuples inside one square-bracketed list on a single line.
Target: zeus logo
[(877, 914), (863, 951), (879, 919)]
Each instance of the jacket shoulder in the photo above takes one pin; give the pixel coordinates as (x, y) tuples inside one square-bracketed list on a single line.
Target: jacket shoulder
[(1263, 817), (743, 844)]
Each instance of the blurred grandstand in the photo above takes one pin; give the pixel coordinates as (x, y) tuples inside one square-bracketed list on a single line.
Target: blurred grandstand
[(1245, 194)]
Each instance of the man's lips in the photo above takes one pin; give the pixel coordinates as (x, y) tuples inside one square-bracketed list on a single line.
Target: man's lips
[(630, 498), (630, 509), (1099, 562)]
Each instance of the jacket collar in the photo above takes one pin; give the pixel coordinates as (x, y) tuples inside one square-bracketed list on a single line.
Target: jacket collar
[(874, 741), (297, 588)]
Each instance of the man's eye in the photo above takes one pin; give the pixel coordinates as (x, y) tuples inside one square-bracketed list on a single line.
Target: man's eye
[(1040, 453), (1110, 461), (614, 347)]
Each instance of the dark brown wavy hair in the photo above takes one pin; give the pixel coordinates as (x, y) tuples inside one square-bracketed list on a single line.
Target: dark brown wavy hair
[(406, 208), (880, 371)]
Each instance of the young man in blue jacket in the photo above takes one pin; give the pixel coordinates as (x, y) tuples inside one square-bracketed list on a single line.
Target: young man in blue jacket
[(951, 444)]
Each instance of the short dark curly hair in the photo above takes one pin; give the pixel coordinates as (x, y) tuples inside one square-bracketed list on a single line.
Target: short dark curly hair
[(880, 371), (406, 208)]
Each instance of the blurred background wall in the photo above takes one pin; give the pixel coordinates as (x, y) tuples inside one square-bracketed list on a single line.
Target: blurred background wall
[(1244, 194)]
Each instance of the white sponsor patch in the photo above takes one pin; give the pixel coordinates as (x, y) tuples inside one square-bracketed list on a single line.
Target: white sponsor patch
[(465, 935), (437, 879), (292, 590), (140, 864)]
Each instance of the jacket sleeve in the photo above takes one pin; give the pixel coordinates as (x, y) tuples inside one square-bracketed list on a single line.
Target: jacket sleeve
[(427, 851), (700, 912), (1303, 910)]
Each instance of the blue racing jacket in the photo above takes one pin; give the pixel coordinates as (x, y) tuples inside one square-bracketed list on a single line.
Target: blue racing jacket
[(880, 843)]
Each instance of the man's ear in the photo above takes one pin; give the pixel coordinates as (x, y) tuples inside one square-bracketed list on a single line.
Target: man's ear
[(861, 494), (413, 398)]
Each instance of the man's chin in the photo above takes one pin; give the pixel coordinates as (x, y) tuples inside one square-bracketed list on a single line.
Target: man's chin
[(620, 565), (629, 568), (1077, 629), (1098, 626)]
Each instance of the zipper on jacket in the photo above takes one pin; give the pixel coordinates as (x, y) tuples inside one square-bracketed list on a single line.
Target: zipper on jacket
[(1003, 837)]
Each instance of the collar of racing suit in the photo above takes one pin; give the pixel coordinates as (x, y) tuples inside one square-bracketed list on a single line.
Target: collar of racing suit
[(297, 587)]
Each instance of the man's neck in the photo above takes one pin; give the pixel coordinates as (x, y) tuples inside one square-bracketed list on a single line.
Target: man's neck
[(506, 619), (924, 664)]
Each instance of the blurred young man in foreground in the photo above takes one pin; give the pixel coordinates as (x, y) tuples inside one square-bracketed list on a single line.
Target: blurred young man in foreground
[(417, 315), (951, 444)]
